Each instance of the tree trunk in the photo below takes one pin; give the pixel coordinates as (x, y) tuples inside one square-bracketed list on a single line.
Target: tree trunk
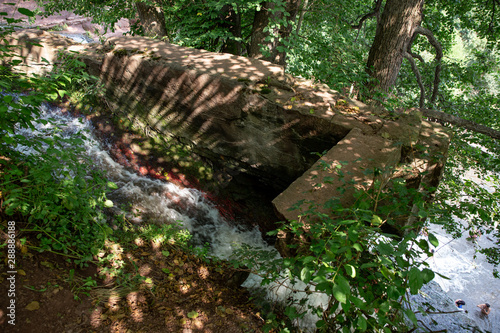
[(258, 38), (301, 15), (232, 22), (151, 19), (395, 29), (261, 20), (292, 8)]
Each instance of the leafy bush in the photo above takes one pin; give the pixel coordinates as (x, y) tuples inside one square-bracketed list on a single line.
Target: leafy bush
[(47, 180), (363, 273)]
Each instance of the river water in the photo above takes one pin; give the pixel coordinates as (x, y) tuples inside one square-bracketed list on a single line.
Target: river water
[(470, 278)]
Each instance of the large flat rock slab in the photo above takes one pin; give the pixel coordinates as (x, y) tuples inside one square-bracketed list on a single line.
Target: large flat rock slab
[(251, 117), (223, 64), (357, 156)]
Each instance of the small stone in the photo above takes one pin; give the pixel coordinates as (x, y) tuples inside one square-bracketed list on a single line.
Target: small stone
[(33, 306)]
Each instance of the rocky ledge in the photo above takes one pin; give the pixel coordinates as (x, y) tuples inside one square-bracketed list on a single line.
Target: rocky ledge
[(251, 116)]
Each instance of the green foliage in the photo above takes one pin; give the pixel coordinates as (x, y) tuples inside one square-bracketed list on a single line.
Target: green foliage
[(55, 190), (327, 48), (343, 253)]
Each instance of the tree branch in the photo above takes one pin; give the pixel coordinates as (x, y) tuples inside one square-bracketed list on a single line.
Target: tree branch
[(365, 17), (439, 55), (416, 72), (416, 56), (460, 122)]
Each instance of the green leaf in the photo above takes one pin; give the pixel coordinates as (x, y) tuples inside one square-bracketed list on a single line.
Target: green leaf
[(339, 294), (308, 259), (346, 306), (323, 286), (350, 270), (385, 272), (305, 275), (358, 247), (415, 280), (443, 276), (393, 292), (427, 275), (376, 220), (434, 241), (165, 253), (165, 270), (112, 185), (423, 244), (341, 289), (193, 314), (362, 323), (291, 312), (7, 98), (358, 302), (411, 315), (26, 12)]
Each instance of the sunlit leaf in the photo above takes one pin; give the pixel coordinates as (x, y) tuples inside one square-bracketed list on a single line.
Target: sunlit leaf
[(350, 270), (193, 314), (305, 275), (433, 240)]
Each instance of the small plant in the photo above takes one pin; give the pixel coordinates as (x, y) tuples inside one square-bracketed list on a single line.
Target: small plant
[(80, 285)]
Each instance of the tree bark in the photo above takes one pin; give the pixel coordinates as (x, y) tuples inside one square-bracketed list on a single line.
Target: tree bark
[(395, 29), (261, 21), (303, 8), (232, 22), (292, 8), (258, 37), (151, 19)]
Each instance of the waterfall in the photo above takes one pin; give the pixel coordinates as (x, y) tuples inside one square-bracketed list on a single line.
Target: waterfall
[(164, 202)]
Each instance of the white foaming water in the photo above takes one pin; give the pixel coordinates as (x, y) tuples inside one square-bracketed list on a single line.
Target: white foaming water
[(158, 201), (164, 202), (470, 275)]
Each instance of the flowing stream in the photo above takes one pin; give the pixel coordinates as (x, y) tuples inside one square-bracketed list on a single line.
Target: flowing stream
[(470, 279)]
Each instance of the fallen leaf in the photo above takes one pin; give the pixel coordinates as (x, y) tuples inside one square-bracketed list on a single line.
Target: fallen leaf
[(33, 306), (47, 264), (21, 272)]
